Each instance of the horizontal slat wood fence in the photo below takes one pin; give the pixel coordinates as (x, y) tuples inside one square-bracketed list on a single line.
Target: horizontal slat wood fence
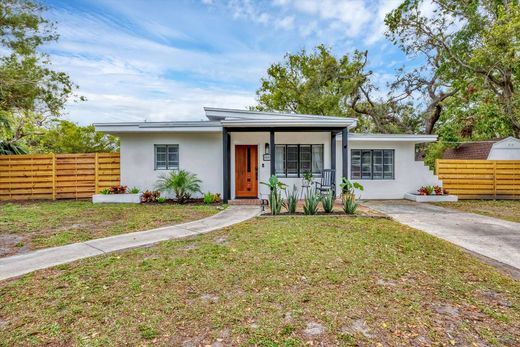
[(480, 179), (57, 176)]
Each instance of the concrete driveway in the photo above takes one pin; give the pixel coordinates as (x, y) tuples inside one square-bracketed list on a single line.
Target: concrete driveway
[(496, 239)]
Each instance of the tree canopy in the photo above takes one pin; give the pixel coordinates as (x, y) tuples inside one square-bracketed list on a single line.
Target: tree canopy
[(472, 63), (465, 87), (32, 94), (67, 137), (319, 83)]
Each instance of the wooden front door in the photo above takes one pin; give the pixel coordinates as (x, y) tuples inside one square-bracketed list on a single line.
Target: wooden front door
[(246, 171)]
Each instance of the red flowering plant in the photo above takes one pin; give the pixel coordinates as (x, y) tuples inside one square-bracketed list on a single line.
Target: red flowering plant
[(117, 189), (432, 190), (426, 190), (150, 196)]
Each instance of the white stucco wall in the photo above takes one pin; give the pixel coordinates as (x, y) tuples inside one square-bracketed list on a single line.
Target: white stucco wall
[(409, 174), (508, 149), (201, 153)]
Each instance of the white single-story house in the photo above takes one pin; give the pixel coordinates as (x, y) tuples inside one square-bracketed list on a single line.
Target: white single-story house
[(234, 150)]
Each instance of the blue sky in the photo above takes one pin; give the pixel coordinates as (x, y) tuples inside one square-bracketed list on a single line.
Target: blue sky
[(165, 60)]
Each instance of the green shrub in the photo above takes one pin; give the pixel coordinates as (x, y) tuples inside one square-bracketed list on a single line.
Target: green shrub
[(208, 198), (327, 201), (350, 205), (310, 206), (134, 190), (348, 188), (161, 199), (275, 196), (182, 183), (292, 199), (105, 191)]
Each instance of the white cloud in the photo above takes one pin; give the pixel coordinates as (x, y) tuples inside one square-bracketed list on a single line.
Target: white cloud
[(285, 23), (379, 27), (346, 18), (128, 77), (308, 29)]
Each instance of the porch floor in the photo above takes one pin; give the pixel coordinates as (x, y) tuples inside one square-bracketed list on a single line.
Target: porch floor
[(243, 202)]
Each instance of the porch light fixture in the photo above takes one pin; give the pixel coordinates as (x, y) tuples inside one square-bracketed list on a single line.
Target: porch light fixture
[(267, 155)]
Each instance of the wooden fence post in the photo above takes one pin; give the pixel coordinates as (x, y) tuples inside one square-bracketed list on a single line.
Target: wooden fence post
[(437, 167), (53, 176), (494, 179), (96, 175)]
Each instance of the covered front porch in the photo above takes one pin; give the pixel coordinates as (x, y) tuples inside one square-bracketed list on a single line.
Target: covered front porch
[(251, 154)]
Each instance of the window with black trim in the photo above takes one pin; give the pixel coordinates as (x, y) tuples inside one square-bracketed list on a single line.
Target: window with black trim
[(166, 157), (295, 160), (372, 164)]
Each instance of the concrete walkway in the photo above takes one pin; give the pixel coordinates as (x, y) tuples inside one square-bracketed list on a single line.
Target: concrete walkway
[(492, 238), (21, 264)]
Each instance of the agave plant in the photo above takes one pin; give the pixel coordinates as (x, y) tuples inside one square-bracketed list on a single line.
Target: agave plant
[(350, 205), (291, 200), (275, 196), (310, 206), (182, 183), (327, 201)]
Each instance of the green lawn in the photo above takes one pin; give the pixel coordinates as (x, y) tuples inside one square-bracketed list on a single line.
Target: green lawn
[(503, 209), (30, 225), (280, 281)]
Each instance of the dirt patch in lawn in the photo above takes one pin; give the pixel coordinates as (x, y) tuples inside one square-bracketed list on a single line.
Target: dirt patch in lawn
[(274, 282), (31, 225)]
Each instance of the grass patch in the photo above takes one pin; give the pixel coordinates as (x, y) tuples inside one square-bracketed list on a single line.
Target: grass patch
[(503, 209), (355, 281), (55, 223)]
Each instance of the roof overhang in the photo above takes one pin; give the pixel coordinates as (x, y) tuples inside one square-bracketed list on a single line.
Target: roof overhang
[(160, 127), (231, 118), (289, 123), (392, 138), (247, 118)]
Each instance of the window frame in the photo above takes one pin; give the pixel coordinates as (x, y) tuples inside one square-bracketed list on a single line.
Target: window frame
[(359, 152), (167, 165), (298, 173)]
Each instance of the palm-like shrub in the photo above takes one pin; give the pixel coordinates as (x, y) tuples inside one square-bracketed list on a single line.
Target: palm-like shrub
[(327, 201), (291, 200), (183, 183), (310, 206)]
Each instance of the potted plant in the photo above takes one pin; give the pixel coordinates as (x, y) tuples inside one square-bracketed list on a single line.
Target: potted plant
[(348, 189), (307, 177)]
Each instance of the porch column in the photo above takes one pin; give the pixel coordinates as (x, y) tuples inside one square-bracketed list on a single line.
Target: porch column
[(333, 159), (344, 152), (226, 160), (272, 153)]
